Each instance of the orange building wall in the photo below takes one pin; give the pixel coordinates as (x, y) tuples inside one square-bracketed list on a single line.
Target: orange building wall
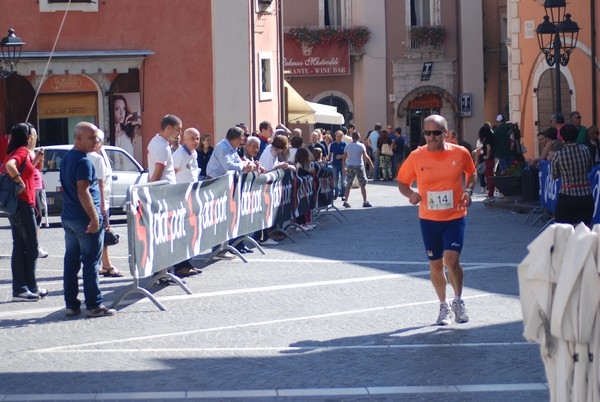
[(579, 67), (177, 79)]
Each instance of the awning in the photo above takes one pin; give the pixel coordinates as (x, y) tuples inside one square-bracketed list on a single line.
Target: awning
[(301, 111), (326, 114), (82, 61)]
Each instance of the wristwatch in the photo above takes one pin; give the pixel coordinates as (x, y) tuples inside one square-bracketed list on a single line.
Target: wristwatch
[(469, 191)]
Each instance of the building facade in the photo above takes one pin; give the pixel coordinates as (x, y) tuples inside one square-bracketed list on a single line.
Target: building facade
[(124, 65), (532, 82), (423, 57)]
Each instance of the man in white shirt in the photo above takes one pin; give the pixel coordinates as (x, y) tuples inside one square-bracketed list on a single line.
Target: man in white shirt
[(160, 167), (160, 159), (185, 159), (104, 174)]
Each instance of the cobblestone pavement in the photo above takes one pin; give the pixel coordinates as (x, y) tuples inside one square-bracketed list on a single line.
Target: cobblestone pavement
[(345, 314)]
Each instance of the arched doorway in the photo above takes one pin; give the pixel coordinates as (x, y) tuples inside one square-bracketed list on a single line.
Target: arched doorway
[(546, 97), (64, 101), (342, 108), (19, 97), (418, 109), (422, 102)]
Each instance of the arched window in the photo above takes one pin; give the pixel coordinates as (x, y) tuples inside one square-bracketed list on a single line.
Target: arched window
[(342, 108), (546, 97)]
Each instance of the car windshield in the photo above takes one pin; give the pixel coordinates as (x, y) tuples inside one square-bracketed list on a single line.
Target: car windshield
[(119, 161), (52, 159)]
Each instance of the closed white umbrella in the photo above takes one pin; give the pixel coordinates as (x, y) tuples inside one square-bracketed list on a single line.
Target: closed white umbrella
[(537, 277), (571, 320)]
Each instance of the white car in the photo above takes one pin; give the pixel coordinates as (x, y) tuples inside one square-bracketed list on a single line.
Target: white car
[(126, 171)]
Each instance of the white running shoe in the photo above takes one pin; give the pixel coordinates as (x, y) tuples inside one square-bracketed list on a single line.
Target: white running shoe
[(444, 316), (42, 253), (460, 311)]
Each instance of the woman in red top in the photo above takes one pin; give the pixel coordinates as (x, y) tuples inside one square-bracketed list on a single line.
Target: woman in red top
[(23, 225)]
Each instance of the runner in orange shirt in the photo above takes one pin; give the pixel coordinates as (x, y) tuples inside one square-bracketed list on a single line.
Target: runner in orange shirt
[(438, 168)]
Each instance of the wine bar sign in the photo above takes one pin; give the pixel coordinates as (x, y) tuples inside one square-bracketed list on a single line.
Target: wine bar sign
[(303, 60)]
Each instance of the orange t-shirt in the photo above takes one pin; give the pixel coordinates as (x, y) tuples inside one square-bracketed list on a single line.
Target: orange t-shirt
[(439, 178)]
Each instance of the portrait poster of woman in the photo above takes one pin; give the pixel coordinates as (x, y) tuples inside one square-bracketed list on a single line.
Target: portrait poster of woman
[(127, 123)]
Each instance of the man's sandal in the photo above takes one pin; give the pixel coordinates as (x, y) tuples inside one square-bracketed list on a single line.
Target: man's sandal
[(110, 272)]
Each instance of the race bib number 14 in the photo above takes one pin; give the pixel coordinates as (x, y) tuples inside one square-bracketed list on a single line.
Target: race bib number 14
[(438, 200)]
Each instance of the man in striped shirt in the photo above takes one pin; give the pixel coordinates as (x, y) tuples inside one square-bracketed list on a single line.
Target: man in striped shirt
[(572, 163)]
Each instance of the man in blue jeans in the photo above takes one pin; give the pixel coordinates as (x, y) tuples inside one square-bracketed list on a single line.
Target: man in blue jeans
[(83, 224), (336, 154)]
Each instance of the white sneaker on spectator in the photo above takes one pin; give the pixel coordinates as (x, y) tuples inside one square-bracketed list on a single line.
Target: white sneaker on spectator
[(42, 253), (498, 194), (269, 242), (307, 227)]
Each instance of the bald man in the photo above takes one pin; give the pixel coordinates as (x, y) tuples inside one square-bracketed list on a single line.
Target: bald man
[(83, 224), (185, 159)]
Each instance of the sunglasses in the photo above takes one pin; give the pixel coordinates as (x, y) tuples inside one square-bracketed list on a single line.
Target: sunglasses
[(434, 132)]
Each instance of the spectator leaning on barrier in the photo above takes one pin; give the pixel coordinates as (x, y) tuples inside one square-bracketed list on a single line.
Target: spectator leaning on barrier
[(161, 167), (572, 163), (225, 158), (265, 132), (185, 163)]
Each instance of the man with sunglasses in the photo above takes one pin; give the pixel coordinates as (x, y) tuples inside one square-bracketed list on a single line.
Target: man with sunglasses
[(575, 117), (439, 167)]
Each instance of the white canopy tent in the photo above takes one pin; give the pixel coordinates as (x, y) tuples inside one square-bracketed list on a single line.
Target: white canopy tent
[(301, 111)]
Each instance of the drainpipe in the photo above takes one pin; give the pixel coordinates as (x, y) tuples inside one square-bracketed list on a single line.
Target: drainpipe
[(593, 46), (458, 66), (253, 66)]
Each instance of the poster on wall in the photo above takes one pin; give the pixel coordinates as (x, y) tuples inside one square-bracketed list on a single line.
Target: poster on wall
[(127, 123)]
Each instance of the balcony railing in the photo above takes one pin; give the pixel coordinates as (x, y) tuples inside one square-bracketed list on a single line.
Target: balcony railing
[(426, 37)]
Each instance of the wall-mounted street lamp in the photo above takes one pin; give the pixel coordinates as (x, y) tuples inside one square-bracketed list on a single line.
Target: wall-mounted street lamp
[(557, 38), (10, 47)]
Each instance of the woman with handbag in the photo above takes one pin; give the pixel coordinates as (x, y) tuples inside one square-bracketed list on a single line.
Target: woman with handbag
[(385, 153), (104, 174), (23, 225)]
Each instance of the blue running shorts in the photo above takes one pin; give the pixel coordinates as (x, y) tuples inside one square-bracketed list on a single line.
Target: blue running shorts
[(442, 235)]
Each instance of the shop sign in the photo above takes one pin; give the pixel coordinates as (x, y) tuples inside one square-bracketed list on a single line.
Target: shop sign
[(302, 60), (428, 101)]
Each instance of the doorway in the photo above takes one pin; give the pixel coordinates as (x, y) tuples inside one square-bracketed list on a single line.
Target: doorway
[(59, 113), (415, 124)]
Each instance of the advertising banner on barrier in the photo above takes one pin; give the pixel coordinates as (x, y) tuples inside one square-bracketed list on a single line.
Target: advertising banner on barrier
[(595, 182), (174, 222), (324, 186), (304, 192), (548, 187)]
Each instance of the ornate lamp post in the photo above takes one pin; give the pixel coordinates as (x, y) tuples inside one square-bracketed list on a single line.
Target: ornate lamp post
[(557, 38), (10, 47)]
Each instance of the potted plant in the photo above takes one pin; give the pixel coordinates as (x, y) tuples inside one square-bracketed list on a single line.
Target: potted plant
[(428, 35), (509, 182), (357, 37)]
